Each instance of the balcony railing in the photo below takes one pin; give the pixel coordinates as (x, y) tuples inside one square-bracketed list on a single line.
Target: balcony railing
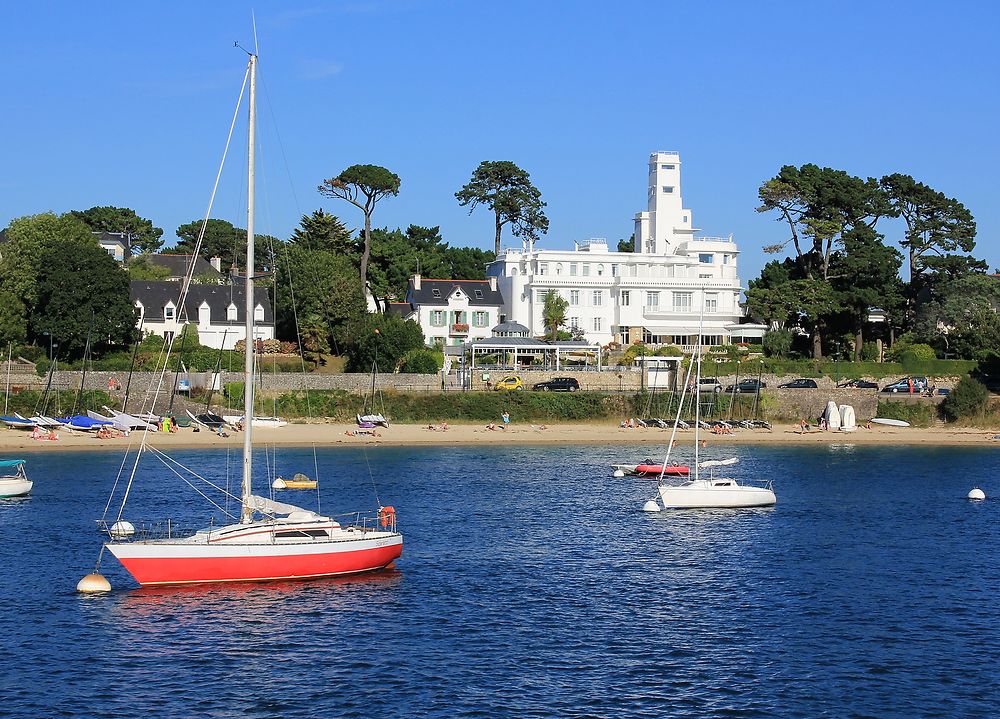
[(460, 328)]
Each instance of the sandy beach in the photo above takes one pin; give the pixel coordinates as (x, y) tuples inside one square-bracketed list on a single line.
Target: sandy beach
[(343, 435)]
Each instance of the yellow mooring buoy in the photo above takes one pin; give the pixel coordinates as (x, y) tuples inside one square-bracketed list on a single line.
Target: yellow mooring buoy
[(93, 583)]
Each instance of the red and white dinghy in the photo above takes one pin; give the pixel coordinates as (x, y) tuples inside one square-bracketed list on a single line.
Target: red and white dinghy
[(299, 545), (651, 470)]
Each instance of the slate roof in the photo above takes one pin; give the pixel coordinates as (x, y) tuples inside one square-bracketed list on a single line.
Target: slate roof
[(425, 296), (511, 327), (178, 265), (155, 295), (399, 309)]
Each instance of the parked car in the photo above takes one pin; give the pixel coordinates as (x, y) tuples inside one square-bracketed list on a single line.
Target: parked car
[(799, 384), (858, 384), (747, 386), (558, 384), (510, 383), (709, 384), (909, 385)]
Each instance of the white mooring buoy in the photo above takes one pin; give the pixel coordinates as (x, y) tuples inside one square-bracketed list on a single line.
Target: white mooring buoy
[(121, 530), (651, 506), (93, 583), (619, 473), (976, 493)]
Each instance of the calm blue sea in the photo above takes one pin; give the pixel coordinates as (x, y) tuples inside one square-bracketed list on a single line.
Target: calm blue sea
[(532, 585)]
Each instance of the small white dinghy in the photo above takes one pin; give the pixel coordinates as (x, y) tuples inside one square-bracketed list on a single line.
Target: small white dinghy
[(236, 421), (848, 422), (16, 484), (832, 415), (890, 422)]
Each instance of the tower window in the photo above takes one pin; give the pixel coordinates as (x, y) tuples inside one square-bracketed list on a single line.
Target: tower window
[(668, 189)]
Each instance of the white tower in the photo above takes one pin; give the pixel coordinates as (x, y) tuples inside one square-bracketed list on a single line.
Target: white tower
[(665, 223)]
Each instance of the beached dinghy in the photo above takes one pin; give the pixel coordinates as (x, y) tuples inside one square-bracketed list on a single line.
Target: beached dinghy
[(18, 422), (84, 423), (237, 421)]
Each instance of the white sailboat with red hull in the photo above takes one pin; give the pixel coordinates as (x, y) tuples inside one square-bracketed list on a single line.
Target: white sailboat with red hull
[(269, 540)]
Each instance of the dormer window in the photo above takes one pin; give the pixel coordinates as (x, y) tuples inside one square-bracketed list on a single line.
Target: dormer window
[(258, 313), (142, 310), (168, 311), (204, 314), (479, 294), (231, 312)]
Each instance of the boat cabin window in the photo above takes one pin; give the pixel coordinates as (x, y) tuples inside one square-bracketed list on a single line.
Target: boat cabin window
[(302, 533)]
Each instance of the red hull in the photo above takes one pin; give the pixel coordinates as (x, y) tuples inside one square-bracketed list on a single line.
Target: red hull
[(671, 471), (189, 570)]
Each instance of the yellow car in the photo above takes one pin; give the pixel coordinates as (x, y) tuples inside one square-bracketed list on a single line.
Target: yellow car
[(510, 383)]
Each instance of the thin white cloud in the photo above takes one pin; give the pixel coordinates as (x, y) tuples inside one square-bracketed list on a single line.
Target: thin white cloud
[(319, 69)]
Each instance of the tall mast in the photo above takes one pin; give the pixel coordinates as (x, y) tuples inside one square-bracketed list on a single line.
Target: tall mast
[(248, 367)]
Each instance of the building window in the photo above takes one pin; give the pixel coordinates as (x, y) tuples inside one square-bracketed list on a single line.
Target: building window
[(682, 301), (614, 270), (437, 318), (574, 297), (597, 324), (168, 312), (204, 314), (258, 313), (650, 246), (436, 293), (479, 294), (705, 258), (543, 268), (574, 322), (667, 167), (598, 298), (684, 219), (668, 189), (652, 299), (711, 303), (482, 319), (585, 269), (558, 268), (572, 269), (540, 295), (600, 270), (231, 312), (623, 298), (725, 259), (704, 277)]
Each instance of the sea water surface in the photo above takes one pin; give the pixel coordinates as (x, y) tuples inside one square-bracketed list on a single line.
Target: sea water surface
[(531, 585)]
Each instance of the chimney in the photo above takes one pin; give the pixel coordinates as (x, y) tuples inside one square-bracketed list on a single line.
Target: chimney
[(416, 282), (216, 262), (493, 283)]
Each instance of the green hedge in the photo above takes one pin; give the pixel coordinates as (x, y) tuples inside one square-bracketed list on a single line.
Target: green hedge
[(488, 406), (919, 414), (840, 370)]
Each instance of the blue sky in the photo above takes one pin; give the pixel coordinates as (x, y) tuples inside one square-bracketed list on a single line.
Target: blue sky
[(128, 104)]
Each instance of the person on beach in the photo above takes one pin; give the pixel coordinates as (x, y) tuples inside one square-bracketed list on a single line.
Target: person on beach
[(803, 426), (491, 426), (506, 419)]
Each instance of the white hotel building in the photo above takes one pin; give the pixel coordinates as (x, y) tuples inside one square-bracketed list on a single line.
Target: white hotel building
[(655, 294)]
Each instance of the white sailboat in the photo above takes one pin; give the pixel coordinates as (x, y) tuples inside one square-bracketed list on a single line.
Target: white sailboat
[(268, 540), (711, 492)]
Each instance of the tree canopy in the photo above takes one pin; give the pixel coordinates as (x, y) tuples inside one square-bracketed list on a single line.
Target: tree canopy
[(363, 186), (507, 190), (56, 282), (226, 241), (554, 312)]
